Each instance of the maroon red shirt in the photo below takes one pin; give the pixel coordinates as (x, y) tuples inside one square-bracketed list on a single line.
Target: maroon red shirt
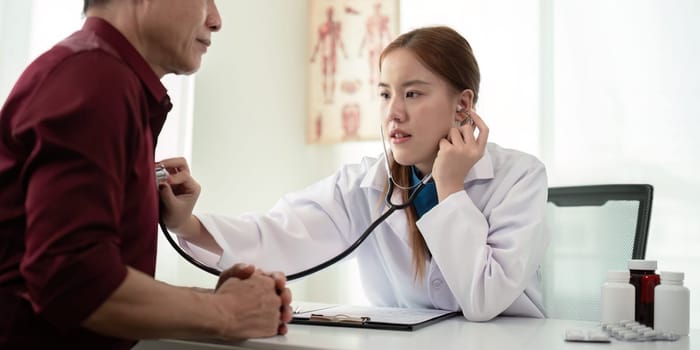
[(78, 200)]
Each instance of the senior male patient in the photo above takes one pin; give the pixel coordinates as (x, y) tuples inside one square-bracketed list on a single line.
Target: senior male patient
[(79, 206)]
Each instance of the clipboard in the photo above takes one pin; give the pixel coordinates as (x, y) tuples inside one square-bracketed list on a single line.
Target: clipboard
[(388, 318)]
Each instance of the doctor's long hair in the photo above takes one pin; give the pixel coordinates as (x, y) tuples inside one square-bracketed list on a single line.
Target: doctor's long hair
[(446, 53)]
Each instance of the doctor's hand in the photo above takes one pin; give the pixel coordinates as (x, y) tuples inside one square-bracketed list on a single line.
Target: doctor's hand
[(457, 154), (179, 194), (259, 300)]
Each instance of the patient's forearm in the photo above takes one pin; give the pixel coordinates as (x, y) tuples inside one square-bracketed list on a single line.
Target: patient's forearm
[(143, 308)]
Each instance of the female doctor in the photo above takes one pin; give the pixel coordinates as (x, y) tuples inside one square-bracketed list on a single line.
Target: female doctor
[(473, 238)]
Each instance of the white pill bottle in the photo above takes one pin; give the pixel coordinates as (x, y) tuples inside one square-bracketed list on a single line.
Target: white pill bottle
[(617, 298), (672, 304)]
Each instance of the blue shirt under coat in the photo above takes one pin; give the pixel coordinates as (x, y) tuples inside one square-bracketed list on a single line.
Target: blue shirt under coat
[(427, 197)]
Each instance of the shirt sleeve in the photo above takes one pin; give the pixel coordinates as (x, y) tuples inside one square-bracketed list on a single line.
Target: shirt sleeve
[(301, 230), (78, 129), (488, 260)]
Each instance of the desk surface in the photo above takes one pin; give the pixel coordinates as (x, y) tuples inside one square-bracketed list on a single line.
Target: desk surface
[(454, 333)]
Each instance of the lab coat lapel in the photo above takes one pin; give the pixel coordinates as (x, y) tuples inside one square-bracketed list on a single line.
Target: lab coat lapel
[(376, 176), (376, 180), (483, 169), (398, 221)]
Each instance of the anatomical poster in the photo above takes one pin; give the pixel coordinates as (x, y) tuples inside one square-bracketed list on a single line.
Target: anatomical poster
[(346, 38)]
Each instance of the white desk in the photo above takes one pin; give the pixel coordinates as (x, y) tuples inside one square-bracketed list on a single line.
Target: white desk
[(455, 333)]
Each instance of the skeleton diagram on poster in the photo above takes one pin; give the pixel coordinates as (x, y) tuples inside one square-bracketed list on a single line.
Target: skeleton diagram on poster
[(346, 39)]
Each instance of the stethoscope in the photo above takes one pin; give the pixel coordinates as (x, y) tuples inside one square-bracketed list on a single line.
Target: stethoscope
[(161, 174)]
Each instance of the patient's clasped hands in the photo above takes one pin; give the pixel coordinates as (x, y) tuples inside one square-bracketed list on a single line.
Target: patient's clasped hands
[(255, 303)]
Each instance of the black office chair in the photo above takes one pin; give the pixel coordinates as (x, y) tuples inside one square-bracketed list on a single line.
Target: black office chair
[(594, 229)]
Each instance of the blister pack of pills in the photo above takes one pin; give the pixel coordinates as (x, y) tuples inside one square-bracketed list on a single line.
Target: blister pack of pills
[(634, 331), (586, 336)]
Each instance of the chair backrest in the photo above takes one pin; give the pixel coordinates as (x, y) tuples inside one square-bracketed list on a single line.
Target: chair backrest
[(594, 229)]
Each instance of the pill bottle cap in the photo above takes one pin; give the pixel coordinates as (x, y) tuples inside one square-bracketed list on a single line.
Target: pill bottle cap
[(669, 276), (635, 264), (618, 275)]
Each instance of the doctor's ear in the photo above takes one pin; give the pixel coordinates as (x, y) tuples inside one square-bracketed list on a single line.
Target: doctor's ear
[(466, 99)]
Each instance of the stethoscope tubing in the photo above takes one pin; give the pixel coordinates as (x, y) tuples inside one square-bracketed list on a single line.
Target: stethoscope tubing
[(391, 208)]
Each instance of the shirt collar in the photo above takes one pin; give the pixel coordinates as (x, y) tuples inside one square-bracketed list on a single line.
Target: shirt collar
[(483, 169), (427, 198), (124, 49), (377, 175), (415, 179)]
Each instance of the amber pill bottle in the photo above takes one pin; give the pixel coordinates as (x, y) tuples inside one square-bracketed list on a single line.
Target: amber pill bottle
[(644, 278)]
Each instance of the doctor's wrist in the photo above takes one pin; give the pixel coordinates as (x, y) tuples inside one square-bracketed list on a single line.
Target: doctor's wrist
[(187, 228), (445, 191)]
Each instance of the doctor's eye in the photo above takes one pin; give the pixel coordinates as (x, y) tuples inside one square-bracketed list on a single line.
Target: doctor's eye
[(412, 94)]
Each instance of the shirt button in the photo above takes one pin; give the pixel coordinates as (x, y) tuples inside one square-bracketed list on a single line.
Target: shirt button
[(436, 283)]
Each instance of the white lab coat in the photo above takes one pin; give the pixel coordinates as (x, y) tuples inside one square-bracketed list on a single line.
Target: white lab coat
[(486, 242)]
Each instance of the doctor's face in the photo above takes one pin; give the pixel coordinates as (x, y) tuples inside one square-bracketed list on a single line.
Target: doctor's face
[(417, 108), (176, 33)]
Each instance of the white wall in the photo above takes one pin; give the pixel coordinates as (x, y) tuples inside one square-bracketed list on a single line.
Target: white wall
[(12, 47), (16, 34)]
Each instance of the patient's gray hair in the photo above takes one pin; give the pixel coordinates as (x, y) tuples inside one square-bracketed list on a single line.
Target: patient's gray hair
[(90, 3)]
